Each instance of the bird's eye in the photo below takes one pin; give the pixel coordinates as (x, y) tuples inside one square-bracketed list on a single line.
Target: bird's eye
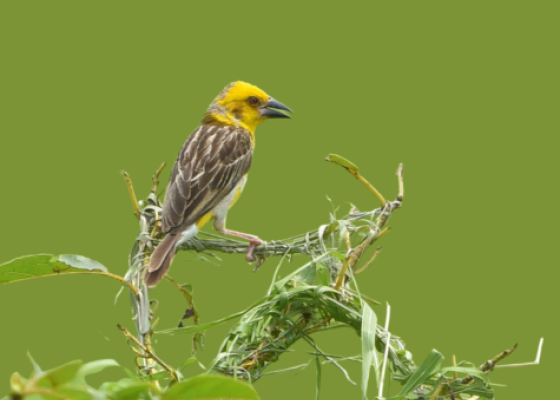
[(253, 100)]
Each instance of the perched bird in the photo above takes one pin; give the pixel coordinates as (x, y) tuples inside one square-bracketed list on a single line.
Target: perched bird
[(211, 171)]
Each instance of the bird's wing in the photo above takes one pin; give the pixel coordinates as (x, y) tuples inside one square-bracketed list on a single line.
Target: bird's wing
[(209, 166)]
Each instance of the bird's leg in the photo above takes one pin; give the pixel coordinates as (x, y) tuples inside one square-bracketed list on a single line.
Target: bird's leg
[(254, 241)]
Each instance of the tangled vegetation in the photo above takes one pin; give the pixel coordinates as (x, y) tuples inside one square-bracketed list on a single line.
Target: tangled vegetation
[(320, 295)]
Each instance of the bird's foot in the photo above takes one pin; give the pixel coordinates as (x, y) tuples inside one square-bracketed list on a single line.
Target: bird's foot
[(252, 244)]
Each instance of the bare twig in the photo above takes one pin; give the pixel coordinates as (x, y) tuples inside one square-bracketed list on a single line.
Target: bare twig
[(340, 278), (490, 364), (155, 178), (400, 196), (383, 232), (122, 280), (367, 264), (437, 392), (132, 194), (454, 364), (149, 353), (536, 362), (350, 167)]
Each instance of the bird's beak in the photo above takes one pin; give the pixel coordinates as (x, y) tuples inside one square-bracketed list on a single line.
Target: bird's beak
[(271, 107)]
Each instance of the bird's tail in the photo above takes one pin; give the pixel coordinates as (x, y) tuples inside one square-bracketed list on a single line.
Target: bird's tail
[(161, 260)]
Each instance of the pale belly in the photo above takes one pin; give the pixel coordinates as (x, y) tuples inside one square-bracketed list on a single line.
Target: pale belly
[(220, 211)]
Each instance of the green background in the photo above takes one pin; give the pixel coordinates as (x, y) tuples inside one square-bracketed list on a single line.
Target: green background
[(465, 94)]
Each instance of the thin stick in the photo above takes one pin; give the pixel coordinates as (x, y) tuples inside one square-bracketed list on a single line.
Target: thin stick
[(490, 364), (340, 278), (454, 364), (350, 167), (373, 257), (347, 240), (132, 194), (133, 288), (437, 392), (148, 351), (400, 196), (370, 187), (386, 355), (383, 232), (536, 362), (155, 178)]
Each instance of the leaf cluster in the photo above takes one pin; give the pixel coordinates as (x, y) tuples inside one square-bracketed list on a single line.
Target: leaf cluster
[(69, 382), (321, 295)]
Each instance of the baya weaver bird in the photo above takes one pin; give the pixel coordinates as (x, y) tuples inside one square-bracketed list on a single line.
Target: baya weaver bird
[(211, 171)]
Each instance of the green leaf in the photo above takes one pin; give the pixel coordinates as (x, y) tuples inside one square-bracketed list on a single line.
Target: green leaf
[(308, 274), (330, 229), (42, 265), (478, 387), (343, 162), (127, 389), (158, 375), (75, 393), (369, 355), (207, 387), (318, 388), (429, 367), (90, 368), (60, 375), (132, 391), (81, 262), (324, 274), (95, 367), (17, 382), (466, 370), (36, 369), (279, 285)]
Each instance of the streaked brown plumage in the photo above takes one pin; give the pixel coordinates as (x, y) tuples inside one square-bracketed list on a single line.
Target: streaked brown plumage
[(211, 170)]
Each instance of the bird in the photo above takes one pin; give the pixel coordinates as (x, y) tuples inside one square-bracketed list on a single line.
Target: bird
[(211, 171)]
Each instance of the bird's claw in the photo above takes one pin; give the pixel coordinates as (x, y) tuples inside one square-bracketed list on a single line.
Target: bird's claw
[(260, 262), (250, 257)]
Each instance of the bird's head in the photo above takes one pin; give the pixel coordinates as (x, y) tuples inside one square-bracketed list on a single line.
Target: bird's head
[(245, 104)]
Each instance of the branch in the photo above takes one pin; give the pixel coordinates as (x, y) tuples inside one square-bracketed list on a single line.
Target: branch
[(353, 169), (489, 365), (309, 243), (149, 353), (132, 194)]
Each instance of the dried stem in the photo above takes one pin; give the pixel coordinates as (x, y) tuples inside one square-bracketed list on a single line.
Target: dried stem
[(342, 275), (350, 167), (148, 351), (489, 365), (132, 194), (454, 364), (122, 280), (155, 178), (400, 196), (437, 392), (536, 362), (367, 264)]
